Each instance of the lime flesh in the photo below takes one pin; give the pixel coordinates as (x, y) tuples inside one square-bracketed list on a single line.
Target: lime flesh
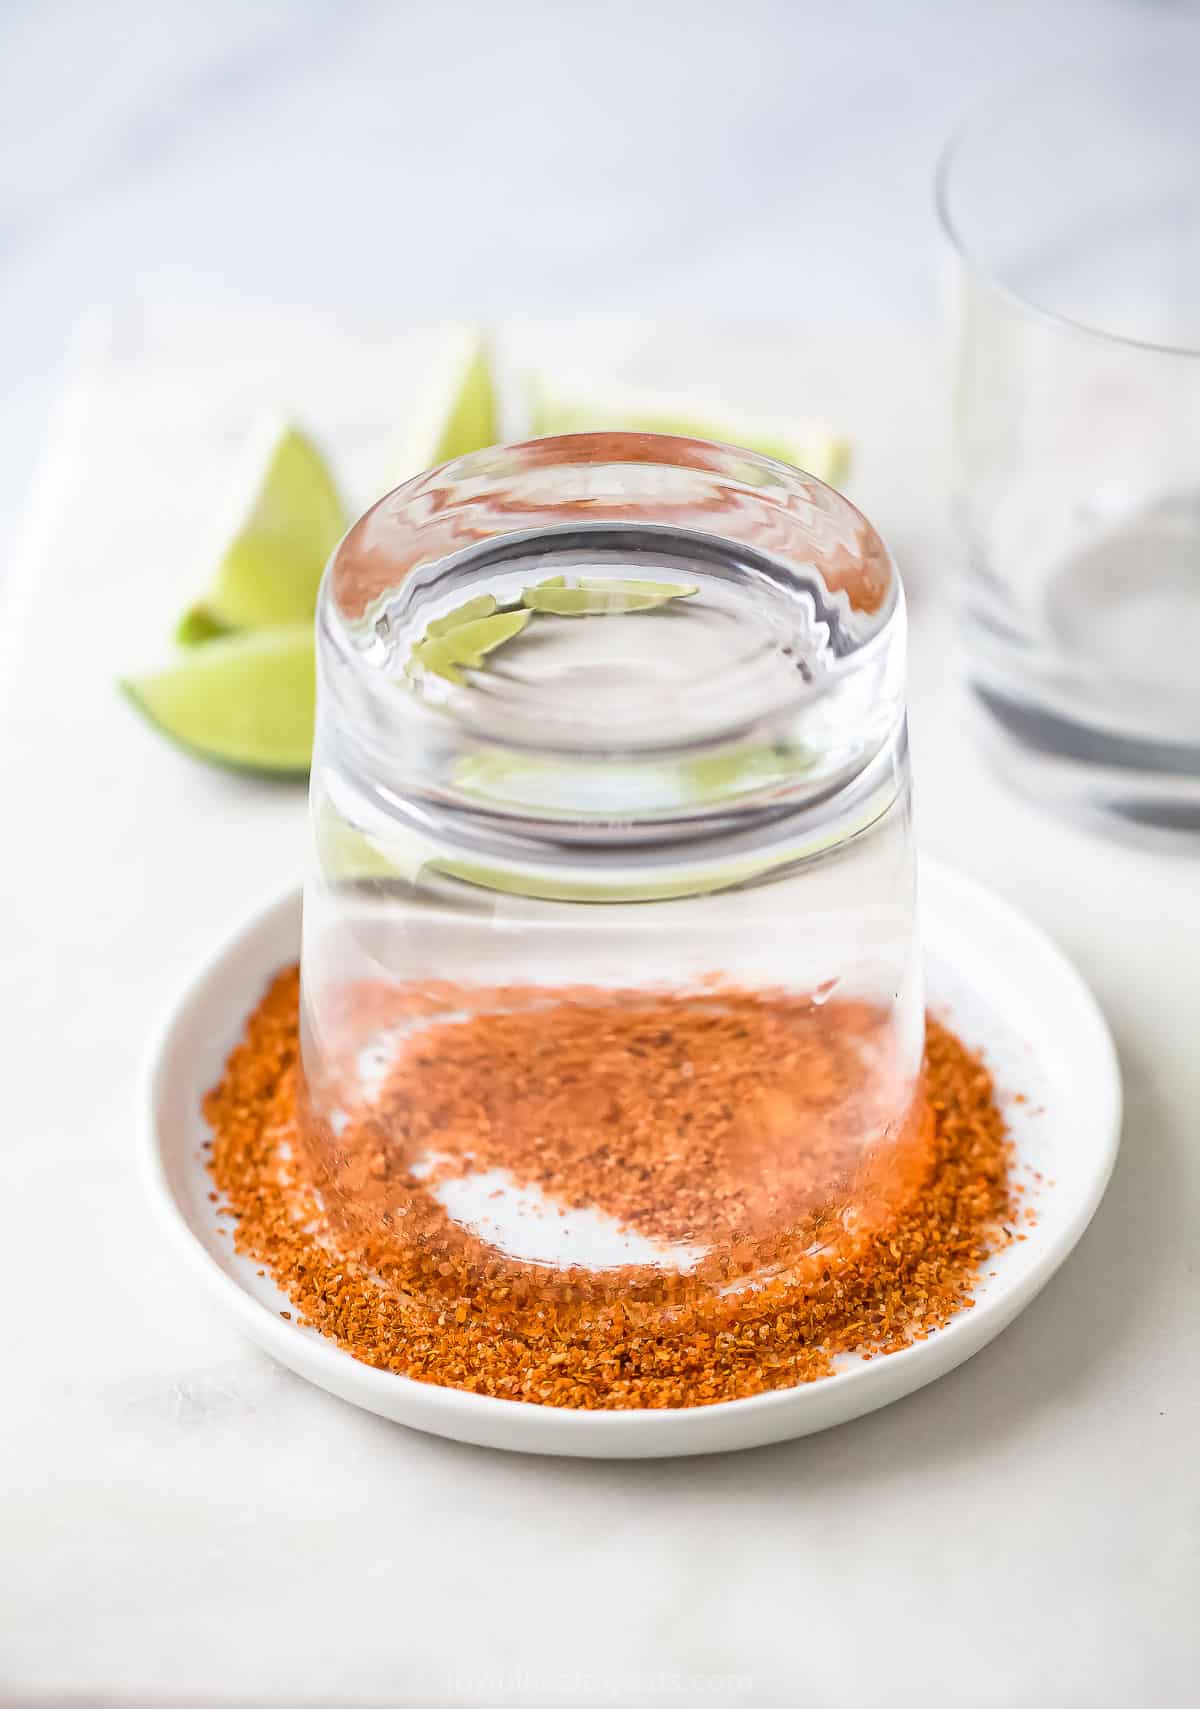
[(244, 700), (460, 414), (286, 529), (472, 421)]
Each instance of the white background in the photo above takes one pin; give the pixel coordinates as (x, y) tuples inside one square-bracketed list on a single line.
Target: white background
[(181, 1522)]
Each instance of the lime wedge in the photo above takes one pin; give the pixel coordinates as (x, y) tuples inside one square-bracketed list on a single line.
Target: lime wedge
[(811, 448), (348, 856), (458, 415), (287, 521), (660, 591), (197, 626), (467, 642), (483, 605), (241, 700), (596, 598)]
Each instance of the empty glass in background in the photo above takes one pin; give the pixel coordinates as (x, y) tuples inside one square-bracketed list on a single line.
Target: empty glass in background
[(1074, 210)]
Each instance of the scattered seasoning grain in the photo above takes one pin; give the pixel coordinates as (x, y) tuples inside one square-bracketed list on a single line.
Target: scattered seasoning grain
[(369, 1257)]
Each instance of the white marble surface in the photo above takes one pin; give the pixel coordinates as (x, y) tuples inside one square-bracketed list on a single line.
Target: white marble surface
[(185, 1523), (180, 1521)]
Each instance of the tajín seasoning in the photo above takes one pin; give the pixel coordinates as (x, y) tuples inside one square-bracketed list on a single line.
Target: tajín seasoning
[(607, 1081)]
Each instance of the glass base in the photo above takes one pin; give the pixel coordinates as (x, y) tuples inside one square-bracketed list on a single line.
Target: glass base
[(1122, 782), (1082, 655)]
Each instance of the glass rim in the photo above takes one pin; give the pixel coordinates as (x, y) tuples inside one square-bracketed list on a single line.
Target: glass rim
[(499, 757), (978, 112), (877, 603), (633, 442)]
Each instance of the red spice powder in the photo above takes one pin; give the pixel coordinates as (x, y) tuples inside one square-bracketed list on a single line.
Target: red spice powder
[(724, 1122)]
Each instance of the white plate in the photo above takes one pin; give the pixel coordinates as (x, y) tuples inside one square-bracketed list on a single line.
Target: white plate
[(1003, 985)]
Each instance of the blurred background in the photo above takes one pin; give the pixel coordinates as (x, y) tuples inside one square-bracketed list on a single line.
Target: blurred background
[(771, 159)]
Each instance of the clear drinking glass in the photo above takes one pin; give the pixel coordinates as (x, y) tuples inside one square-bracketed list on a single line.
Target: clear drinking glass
[(543, 876), (1073, 208)]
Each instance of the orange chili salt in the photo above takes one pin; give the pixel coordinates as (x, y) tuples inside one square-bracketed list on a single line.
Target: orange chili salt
[(807, 1250)]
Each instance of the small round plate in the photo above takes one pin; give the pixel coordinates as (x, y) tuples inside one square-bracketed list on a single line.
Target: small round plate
[(990, 974)]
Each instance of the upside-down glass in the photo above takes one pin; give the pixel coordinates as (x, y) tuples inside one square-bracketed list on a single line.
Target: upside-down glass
[(1073, 208), (701, 800)]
